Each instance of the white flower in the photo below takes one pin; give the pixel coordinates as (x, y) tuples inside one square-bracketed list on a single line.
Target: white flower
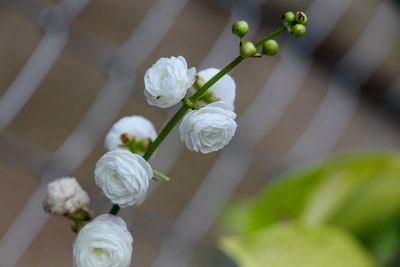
[(167, 81), (123, 177), (134, 126), (103, 242), (224, 88), (64, 196), (210, 128)]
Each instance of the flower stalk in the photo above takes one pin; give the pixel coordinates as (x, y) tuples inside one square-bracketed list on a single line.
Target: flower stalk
[(199, 93)]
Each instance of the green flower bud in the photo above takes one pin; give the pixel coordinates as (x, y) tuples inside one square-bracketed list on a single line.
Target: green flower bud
[(74, 224), (288, 17), (301, 17), (270, 48), (248, 49), (299, 30), (80, 215), (240, 28)]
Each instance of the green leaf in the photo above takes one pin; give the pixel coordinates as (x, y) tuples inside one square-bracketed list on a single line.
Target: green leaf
[(352, 191), (292, 244), (383, 240), (234, 217), (285, 199)]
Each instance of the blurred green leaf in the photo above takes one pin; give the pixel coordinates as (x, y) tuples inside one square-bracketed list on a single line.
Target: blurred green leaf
[(383, 240), (235, 215), (284, 199), (292, 244), (352, 191)]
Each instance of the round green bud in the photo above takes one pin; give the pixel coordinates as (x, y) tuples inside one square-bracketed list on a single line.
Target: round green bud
[(270, 48), (288, 17), (301, 17), (299, 30), (248, 49), (240, 28)]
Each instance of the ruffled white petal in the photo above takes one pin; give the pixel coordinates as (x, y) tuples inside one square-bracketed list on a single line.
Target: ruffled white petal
[(167, 81), (209, 128), (105, 242), (123, 177)]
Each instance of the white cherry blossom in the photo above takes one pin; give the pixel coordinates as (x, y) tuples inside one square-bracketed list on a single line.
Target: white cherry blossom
[(210, 128), (104, 242), (123, 177), (167, 81)]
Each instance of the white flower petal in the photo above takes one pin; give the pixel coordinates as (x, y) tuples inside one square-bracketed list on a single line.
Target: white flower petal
[(103, 242), (123, 177), (167, 81), (136, 126), (224, 88), (209, 128)]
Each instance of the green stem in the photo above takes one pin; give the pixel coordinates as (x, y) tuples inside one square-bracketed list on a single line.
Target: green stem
[(114, 210), (182, 111), (214, 79), (161, 175), (170, 125), (270, 36)]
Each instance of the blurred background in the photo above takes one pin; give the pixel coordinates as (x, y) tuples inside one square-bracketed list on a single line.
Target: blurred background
[(71, 68)]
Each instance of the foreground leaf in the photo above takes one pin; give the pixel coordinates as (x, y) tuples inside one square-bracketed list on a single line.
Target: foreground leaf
[(292, 244), (352, 191)]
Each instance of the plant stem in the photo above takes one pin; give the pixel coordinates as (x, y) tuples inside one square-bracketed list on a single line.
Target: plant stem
[(182, 111), (270, 36), (114, 210), (161, 175)]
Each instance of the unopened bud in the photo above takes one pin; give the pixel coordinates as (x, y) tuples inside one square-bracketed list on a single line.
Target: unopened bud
[(299, 30), (81, 215), (65, 196), (301, 17), (74, 224), (270, 48), (288, 17), (240, 28), (248, 49)]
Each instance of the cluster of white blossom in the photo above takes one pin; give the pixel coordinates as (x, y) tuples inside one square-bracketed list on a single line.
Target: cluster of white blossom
[(208, 128), (124, 175)]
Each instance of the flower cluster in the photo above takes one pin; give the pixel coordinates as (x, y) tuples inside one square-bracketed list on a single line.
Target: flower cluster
[(123, 173), (211, 125)]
